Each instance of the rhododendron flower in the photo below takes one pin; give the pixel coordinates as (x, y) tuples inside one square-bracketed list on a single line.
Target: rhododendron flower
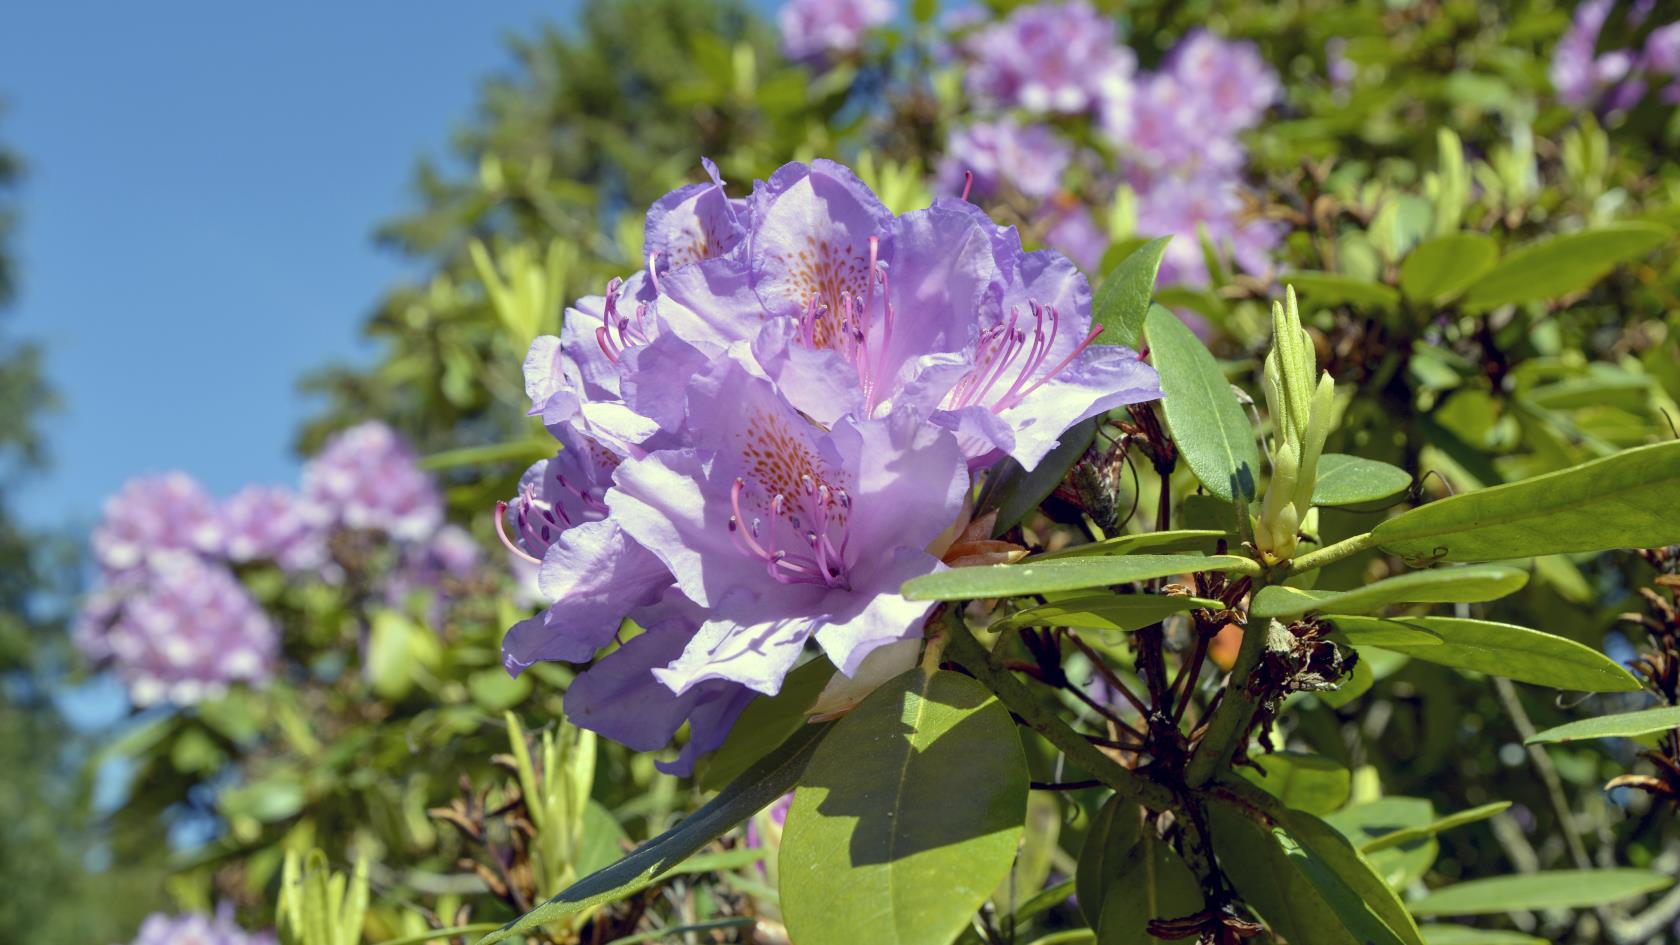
[(1048, 57), (196, 928), (180, 629), (367, 478), (1186, 209), (269, 523), (1029, 159), (151, 514), (816, 29), (1230, 82)]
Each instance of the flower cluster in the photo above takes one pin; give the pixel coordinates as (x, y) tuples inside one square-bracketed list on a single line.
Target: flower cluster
[(1175, 131), (170, 616), (196, 928), (1616, 79), (814, 30), (772, 427)]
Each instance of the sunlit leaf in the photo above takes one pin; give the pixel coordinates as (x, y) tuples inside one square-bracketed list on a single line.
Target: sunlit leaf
[(1122, 302), (1558, 889), (1561, 265), (1117, 612), (1625, 725), (1502, 649), (1213, 432), (1438, 586), (1353, 481), (1442, 267), (1062, 574), (1312, 783)]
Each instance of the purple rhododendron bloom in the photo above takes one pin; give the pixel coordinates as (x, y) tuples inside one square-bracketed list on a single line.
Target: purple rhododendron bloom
[(180, 629), (151, 514), (1188, 208), (1615, 79), (439, 565), (1048, 57), (269, 523), (1074, 233), (367, 478), (1028, 159), (196, 928), (815, 29), (1230, 82)]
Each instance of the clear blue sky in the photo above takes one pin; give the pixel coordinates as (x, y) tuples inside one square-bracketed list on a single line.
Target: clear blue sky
[(203, 181)]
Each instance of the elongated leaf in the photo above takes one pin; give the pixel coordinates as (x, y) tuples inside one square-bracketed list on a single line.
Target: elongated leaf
[(1333, 288), (767, 722), (1625, 725), (1201, 540), (1153, 884), (907, 817), (1407, 835), (1374, 631), (1212, 431), (1444, 266), (1563, 265), (1621, 501), (1117, 612), (1558, 889), (1312, 783), (763, 783), (1345, 864), (1353, 481), (1439, 586), (1109, 849), (1062, 574), (1123, 300), (1465, 935), (1399, 865), (1020, 492), (1502, 649), (1299, 894)]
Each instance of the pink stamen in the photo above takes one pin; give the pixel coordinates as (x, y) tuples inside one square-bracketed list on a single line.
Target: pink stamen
[(968, 184), (501, 532)]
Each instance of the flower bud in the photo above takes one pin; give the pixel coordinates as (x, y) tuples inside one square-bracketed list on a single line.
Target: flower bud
[(1300, 401)]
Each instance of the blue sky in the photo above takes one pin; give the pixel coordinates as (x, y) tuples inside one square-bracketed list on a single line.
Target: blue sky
[(204, 178)]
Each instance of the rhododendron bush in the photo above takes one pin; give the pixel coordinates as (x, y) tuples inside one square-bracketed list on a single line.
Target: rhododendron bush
[(918, 473)]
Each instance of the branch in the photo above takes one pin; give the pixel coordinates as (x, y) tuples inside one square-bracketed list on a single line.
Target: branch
[(1229, 722), (965, 651), (1330, 554)]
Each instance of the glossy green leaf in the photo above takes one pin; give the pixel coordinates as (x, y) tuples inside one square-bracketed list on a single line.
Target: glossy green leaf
[(1558, 889), (1442, 267), (766, 723), (1465, 935), (907, 817), (1062, 574), (1325, 845), (1153, 884), (1312, 783), (1562, 265), (1213, 432), (1502, 649), (1334, 288), (1116, 612), (1408, 835), (1374, 631), (1353, 481), (1624, 725), (1201, 540), (1404, 863), (1468, 584), (1122, 302), (1621, 501), (1018, 492), (755, 790), (1109, 848), (1300, 896)]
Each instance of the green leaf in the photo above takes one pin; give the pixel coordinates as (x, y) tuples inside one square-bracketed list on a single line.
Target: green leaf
[(1333, 288), (1063, 574), (1154, 884), (1624, 725), (1107, 851), (1345, 480), (1446, 265), (1212, 431), (1018, 492), (1116, 612), (907, 817), (494, 690), (1558, 889), (1621, 501), (1400, 865), (1409, 835), (1502, 649), (1202, 540), (1324, 844), (1122, 302), (755, 790), (600, 842), (1374, 631), (766, 723), (1464, 935), (1468, 584), (1299, 894), (1563, 265), (1312, 783)]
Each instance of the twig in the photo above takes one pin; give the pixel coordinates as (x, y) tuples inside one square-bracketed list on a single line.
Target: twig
[(1548, 772)]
